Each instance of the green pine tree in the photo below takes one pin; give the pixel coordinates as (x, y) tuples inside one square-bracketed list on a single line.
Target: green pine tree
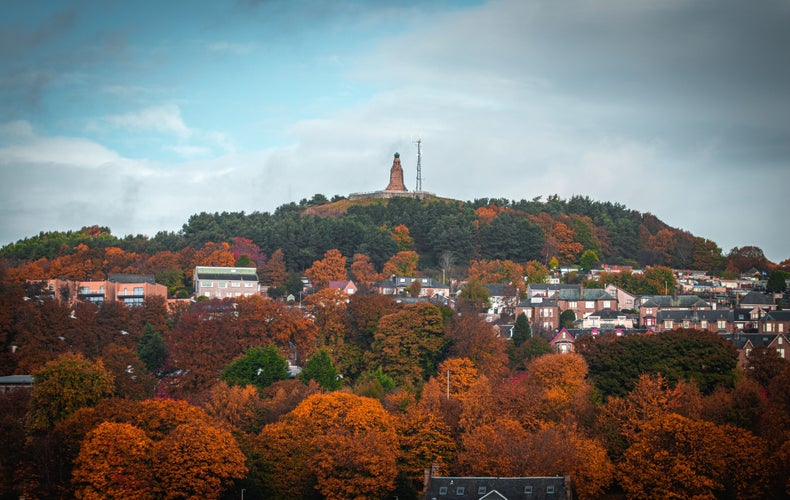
[(152, 350)]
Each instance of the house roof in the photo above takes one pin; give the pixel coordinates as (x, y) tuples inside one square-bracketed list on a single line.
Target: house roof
[(607, 314), (500, 290), (497, 488), (757, 299), (777, 316), (227, 273), (131, 278), (340, 284), (21, 380), (537, 302), (666, 301), (740, 339), (695, 316), (405, 281)]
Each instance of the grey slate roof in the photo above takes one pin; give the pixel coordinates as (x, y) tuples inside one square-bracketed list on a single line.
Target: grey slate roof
[(777, 316), (507, 488), (757, 339), (667, 301), (607, 314), (131, 278), (500, 290), (757, 299), (695, 316)]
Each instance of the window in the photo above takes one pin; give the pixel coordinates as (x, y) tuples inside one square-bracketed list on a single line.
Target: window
[(589, 304), (779, 339), (207, 294), (572, 304), (138, 290), (550, 489), (222, 284), (249, 285), (443, 490), (235, 284), (668, 324), (607, 304), (685, 324), (704, 324), (527, 490), (781, 353), (460, 490), (481, 490), (206, 284), (722, 324)]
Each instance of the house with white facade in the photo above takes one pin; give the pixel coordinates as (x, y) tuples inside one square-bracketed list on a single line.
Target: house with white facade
[(225, 282)]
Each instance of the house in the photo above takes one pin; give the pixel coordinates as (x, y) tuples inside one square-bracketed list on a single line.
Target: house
[(502, 298), (757, 299), (499, 488), (224, 282), (15, 382), (585, 301), (624, 299), (562, 342), (548, 291), (543, 314), (608, 319), (347, 286), (775, 322), (129, 289), (649, 305), (746, 319), (397, 285), (745, 342), (716, 320)]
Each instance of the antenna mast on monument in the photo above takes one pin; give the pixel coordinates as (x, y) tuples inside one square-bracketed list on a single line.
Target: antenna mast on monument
[(419, 165)]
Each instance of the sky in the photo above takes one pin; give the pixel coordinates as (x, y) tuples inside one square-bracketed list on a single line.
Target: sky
[(136, 115)]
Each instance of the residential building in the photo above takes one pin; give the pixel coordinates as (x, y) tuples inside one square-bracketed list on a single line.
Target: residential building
[(608, 320), (225, 282), (499, 488), (624, 299), (503, 299), (543, 314), (129, 289), (717, 321), (562, 342), (775, 322), (397, 285), (649, 305), (347, 286), (757, 299), (584, 302)]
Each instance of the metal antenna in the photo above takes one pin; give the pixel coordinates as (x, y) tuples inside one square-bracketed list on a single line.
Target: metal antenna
[(419, 165)]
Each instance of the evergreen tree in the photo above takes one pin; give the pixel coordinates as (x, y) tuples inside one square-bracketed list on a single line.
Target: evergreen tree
[(521, 330), (152, 349), (260, 366), (320, 368)]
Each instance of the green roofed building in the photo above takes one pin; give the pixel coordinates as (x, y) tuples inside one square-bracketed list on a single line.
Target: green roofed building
[(225, 282)]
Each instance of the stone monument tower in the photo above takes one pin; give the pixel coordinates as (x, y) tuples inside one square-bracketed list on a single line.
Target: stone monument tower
[(396, 176)]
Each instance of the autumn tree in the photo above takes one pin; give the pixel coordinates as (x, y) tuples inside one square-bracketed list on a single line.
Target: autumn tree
[(403, 263), (338, 444), (235, 406), (471, 337), (328, 310), (425, 441), (535, 272), (474, 296), (560, 380), (131, 377), (273, 272), (65, 385), (402, 238), (197, 460), (678, 457), (114, 462), (363, 270), (331, 268), (407, 342)]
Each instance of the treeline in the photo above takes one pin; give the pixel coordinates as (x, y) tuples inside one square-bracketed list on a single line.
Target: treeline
[(487, 229)]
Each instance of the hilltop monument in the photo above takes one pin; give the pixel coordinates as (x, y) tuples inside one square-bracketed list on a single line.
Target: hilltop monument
[(396, 176), (396, 187)]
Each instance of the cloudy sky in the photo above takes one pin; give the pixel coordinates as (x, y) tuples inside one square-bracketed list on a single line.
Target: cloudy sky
[(135, 115)]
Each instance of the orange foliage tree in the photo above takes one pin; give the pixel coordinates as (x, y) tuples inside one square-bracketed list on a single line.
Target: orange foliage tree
[(273, 272), (328, 308), (197, 460), (677, 457), (560, 380), (402, 238), (407, 342), (403, 263), (114, 462), (498, 271), (363, 270), (473, 338), (425, 441), (339, 444), (331, 268)]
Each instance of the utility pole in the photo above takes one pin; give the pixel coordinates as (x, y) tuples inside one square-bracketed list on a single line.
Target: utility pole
[(419, 165)]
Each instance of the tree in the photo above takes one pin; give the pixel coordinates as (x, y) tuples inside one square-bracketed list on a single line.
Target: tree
[(473, 338), (152, 351), (260, 367), (273, 272), (65, 385), (321, 369), (114, 462), (407, 342), (331, 268), (363, 270), (567, 318), (588, 259), (197, 460), (748, 257), (474, 296), (414, 288), (132, 379), (521, 330), (677, 457), (403, 263), (402, 238), (340, 444), (777, 281)]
